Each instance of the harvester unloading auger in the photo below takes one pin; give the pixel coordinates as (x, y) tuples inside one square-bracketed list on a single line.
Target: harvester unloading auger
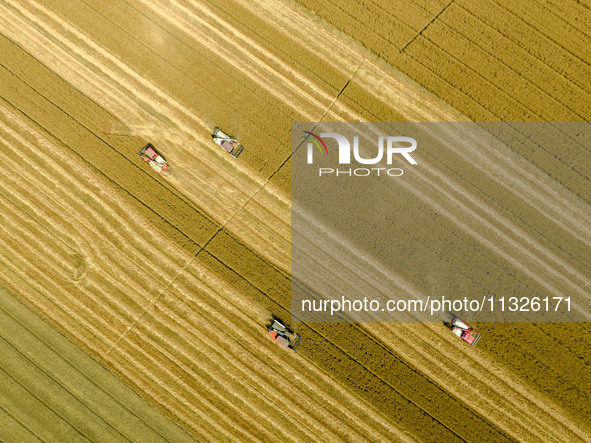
[(285, 337)]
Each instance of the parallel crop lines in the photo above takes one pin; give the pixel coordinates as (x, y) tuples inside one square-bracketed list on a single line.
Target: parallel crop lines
[(550, 203), (155, 314), (430, 347), (209, 190), (112, 295)]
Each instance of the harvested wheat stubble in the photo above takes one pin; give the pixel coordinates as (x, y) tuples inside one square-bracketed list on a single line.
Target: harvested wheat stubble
[(141, 252), (150, 67)]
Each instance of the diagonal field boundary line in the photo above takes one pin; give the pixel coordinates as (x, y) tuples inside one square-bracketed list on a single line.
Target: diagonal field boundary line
[(426, 26)]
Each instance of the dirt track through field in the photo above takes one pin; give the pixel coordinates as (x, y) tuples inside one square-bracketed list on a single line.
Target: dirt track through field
[(178, 325)]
